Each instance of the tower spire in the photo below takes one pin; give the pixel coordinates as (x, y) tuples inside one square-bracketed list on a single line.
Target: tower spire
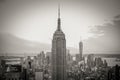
[(80, 48), (59, 20), (58, 10)]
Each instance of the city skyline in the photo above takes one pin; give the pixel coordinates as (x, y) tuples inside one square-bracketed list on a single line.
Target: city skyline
[(59, 40), (36, 21)]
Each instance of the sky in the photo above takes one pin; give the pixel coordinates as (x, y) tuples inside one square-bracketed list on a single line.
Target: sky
[(36, 20)]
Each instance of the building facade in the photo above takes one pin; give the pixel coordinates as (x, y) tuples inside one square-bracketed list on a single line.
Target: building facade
[(81, 49), (59, 53)]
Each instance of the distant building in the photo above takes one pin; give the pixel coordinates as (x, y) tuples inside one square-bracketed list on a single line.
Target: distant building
[(99, 62), (69, 60), (90, 61), (68, 56), (105, 64), (117, 72), (2, 68), (38, 75), (77, 57), (59, 53), (28, 62), (35, 64), (14, 72), (41, 59), (80, 50), (12, 76), (114, 73), (48, 57)]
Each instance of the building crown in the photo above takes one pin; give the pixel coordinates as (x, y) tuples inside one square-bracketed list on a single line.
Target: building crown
[(58, 32)]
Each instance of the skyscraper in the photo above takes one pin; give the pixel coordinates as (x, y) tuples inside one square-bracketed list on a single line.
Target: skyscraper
[(81, 49), (59, 53)]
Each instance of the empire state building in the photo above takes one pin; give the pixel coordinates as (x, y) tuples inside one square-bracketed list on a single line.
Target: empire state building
[(59, 53)]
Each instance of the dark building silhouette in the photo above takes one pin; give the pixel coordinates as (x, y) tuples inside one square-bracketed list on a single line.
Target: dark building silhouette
[(117, 72), (81, 49), (2, 68), (114, 73), (105, 63), (59, 53)]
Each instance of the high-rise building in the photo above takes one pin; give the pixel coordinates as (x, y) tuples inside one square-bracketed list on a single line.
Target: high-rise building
[(48, 57), (41, 59), (59, 53), (90, 61), (68, 57), (81, 49), (99, 62)]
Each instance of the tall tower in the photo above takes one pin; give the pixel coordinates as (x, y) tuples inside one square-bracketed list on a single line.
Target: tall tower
[(59, 53), (81, 49)]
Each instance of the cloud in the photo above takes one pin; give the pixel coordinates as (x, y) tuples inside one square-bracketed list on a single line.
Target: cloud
[(109, 29), (108, 39), (117, 17)]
